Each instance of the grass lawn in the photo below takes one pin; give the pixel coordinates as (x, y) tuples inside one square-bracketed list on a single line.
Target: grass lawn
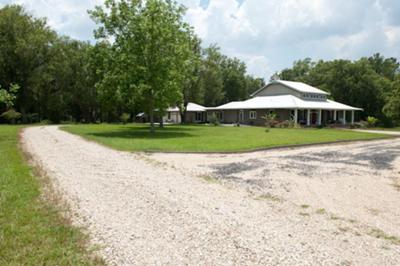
[(203, 138), (32, 232)]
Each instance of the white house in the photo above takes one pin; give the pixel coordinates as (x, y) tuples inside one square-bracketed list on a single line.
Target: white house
[(290, 100), (195, 113)]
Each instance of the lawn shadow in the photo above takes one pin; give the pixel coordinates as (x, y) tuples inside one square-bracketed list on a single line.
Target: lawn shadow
[(144, 133)]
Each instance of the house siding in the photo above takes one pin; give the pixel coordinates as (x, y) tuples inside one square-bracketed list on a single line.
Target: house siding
[(282, 115), (277, 89), (172, 117), (232, 116), (191, 117)]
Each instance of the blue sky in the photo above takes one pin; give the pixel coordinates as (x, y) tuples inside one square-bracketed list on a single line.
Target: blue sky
[(267, 34)]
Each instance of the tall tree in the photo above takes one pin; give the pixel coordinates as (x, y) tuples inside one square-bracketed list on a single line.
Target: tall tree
[(392, 106), (192, 91), (253, 84), (25, 45), (234, 79), (211, 77), (386, 67), (150, 49)]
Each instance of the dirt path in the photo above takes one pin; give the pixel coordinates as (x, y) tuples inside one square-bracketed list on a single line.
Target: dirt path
[(168, 209)]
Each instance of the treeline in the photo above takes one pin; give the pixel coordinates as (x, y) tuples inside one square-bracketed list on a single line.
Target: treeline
[(371, 83), (154, 61)]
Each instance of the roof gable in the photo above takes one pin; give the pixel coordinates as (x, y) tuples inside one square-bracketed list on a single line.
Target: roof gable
[(296, 86), (194, 107)]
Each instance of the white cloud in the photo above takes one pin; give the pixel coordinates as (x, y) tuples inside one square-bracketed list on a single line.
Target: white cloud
[(67, 17), (278, 32)]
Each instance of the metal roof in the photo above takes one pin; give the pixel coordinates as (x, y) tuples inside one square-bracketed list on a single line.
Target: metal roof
[(285, 102), (194, 107), (297, 86)]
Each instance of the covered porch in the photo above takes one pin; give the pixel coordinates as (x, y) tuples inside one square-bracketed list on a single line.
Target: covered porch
[(317, 117)]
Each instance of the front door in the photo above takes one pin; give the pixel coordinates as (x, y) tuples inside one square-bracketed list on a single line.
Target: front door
[(314, 117), (241, 116)]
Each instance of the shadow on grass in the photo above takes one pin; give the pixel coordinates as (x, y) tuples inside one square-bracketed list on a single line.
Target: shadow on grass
[(144, 133)]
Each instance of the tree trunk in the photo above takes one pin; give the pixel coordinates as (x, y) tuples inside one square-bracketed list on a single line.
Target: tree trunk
[(151, 116), (161, 122), (183, 114)]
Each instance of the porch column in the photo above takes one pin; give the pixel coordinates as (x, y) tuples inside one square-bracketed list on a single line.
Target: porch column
[(334, 115), (308, 117), (296, 116), (319, 117), (344, 117), (352, 116)]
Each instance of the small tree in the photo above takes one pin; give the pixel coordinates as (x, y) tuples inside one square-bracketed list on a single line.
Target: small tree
[(124, 118), (8, 98), (214, 120), (371, 121), (270, 119)]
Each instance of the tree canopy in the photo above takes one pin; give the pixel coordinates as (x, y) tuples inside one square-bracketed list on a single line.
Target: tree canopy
[(370, 83)]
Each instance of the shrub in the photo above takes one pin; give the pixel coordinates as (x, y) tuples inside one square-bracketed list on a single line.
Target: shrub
[(371, 121), (270, 120), (361, 124), (214, 120), (283, 124), (31, 118), (291, 124), (11, 116), (124, 118)]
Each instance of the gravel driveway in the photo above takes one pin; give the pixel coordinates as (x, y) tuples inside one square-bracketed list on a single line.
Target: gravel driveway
[(330, 205)]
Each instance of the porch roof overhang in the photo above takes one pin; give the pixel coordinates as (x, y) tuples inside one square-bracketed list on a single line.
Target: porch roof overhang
[(194, 107), (285, 102)]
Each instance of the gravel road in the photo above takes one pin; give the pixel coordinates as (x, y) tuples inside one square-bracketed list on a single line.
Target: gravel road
[(327, 205)]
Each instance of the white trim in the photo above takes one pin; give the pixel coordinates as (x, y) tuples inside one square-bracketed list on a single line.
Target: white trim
[(201, 116), (253, 115), (352, 117), (241, 116), (344, 117), (319, 122)]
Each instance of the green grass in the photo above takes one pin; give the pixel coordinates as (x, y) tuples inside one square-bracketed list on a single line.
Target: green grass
[(32, 231), (269, 197), (203, 138)]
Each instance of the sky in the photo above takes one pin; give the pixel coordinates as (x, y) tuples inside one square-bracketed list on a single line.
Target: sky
[(267, 34)]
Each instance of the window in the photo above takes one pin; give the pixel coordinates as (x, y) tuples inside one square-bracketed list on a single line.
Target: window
[(241, 116), (253, 115), (199, 116), (169, 115)]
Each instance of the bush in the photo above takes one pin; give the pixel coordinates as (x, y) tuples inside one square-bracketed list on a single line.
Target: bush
[(270, 120), (11, 116), (31, 118), (214, 120), (283, 124), (361, 124), (124, 118), (371, 121)]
